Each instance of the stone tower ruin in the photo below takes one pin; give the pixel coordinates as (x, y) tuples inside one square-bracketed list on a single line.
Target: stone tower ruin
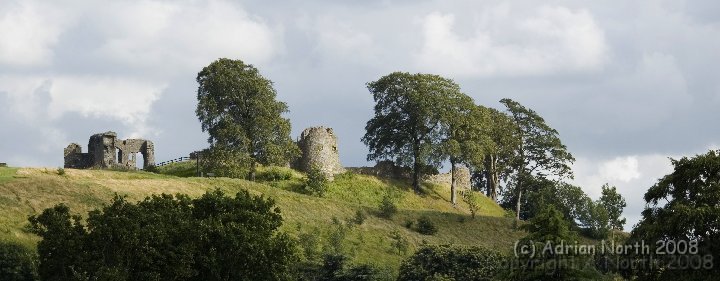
[(319, 149), (106, 151)]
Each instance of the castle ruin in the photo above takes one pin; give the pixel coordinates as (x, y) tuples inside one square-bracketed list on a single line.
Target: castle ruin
[(319, 150), (105, 150)]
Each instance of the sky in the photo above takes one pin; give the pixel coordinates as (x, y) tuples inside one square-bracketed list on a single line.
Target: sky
[(627, 84)]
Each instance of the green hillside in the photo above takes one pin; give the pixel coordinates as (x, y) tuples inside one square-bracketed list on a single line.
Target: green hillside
[(27, 191)]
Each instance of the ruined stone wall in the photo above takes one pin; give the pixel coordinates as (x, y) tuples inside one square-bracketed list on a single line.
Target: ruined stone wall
[(462, 178), (106, 151), (102, 149), (128, 151), (383, 169), (319, 149)]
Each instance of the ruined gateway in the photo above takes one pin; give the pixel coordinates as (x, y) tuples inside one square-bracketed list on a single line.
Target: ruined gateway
[(105, 150)]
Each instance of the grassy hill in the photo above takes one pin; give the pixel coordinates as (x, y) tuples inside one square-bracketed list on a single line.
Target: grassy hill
[(27, 191)]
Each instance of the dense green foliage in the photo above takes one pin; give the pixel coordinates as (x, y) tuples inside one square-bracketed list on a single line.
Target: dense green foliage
[(17, 263), (407, 125), (471, 199), (465, 136), (166, 237), (387, 208), (426, 226), (448, 262), (274, 174), (504, 139), (683, 206), (540, 153), (614, 204), (547, 230), (237, 108), (316, 183), (335, 267)]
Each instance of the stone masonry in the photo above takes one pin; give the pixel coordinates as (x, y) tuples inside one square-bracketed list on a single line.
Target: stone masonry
[(106, 151), (319, 149), (462, 177)]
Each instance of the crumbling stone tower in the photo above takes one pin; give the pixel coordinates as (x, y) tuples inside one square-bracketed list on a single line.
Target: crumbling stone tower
[(105, 150), (319, 149)]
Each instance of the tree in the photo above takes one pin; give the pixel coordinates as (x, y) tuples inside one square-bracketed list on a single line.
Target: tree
[(540, 152), (683, 206), (17, 263), (548, 230), (452, 263), (614, 204), (407, 123), (238, 109), (465, 136), (499, 149), (167, 237)]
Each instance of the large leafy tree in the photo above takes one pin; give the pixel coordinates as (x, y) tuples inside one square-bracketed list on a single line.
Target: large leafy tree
[(683, 206), (539, 153), (500, 142), (238, 108), (614, 203), (407, 126), (466, 137), (166, 237), (548, 230)]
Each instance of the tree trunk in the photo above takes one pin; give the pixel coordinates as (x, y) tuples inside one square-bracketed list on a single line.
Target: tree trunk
[(253, 167), (517, 205), (416, 168), (416, 177), (491, 177), (453, 183)]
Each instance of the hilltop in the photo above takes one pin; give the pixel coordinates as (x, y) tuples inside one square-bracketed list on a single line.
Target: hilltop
[(27, 191)]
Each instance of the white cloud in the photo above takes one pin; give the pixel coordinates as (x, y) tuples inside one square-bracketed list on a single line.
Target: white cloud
[(622, 169), (26, 96), (632, 175), (29, 31), (509, 42), (185, 35), (122, 99), (342, 40)]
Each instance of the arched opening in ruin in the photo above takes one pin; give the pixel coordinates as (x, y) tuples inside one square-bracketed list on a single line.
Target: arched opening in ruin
[(119, 156), (139, 161)]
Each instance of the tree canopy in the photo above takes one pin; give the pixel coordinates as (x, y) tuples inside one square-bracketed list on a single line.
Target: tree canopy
[(407, 126), (683, 206), (237, 107), (166, 237), (540, 152)]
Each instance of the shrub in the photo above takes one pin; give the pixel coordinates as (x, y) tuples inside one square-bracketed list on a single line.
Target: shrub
[(17, 263), (452, 263), (274, 174), (61, 171), (470, 197), (167, 237), (409, 224), (152, 169), (359, 218), (426, 226), (316, 182), (399, 242), (387, 208)]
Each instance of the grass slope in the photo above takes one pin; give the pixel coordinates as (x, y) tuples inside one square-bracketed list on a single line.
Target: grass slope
[(27, 191)]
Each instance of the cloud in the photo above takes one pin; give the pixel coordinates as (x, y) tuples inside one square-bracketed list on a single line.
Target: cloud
[(126, 100), (168, 37), (508, 42), (622, 169), (29, 31), (633, 175)]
